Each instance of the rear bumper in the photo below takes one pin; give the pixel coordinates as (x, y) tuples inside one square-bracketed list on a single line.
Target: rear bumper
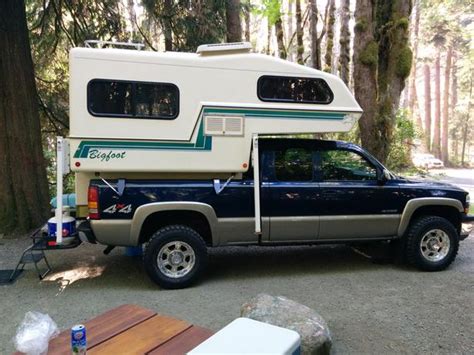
[(467, 226), (86, 234)]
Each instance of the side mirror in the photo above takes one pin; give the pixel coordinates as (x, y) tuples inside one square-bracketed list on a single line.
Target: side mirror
[(381, 177)]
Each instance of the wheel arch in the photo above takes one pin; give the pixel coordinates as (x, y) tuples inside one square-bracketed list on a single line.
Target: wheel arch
[(196, 215), (448, 208)]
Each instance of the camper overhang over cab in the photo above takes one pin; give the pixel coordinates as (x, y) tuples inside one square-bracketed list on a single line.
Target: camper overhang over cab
[(144, 112)]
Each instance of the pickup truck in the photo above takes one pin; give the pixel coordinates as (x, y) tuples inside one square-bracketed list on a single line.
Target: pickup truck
[(311, 191)]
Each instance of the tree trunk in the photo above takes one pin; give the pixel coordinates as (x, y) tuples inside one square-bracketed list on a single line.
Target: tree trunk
[(289, 33), (365, 78), (280, 38), (382, 61), (269, 37), (412, 83), (299, 33), (345, 41), (437, 114), (330, 35), (445, 130), (246, 7), (427, 76), (24, 198), (454, 101), (465, 132), (166, 24), (313, 32), (234, 28)]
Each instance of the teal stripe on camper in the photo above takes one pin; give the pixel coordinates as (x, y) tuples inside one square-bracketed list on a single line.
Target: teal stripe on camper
[(203, 143), (283, 114)]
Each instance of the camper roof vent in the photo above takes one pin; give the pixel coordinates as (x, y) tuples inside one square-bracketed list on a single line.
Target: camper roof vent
[(94, 43), (218, 48)]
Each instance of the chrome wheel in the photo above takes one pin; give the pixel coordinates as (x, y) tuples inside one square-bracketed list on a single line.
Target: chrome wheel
[(176, 259), (435, 245)]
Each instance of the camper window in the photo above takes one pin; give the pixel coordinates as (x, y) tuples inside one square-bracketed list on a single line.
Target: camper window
[(292, 89), (117, 98)]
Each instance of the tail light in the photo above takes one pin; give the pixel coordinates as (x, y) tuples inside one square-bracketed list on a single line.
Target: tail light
[(93, 202)]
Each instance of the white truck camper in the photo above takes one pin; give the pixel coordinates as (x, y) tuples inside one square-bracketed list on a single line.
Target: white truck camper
[(175, 153), (145, 114)]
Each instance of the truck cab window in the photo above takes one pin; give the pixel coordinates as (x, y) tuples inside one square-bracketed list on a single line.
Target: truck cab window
[(344, 165), (294, 164)]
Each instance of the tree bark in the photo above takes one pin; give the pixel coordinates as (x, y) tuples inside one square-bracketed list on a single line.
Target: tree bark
[(382, 62), (412, 83), (234, 27), (269, 37), (330, 21), (299, 33), (365, 79), (246, 7), (427, 76), (24, 198), (166, 24), (280, 38), (437, 114), (289, 32), (465, 131), (313, 32), (445, 130), (454, 101), (345, 41)]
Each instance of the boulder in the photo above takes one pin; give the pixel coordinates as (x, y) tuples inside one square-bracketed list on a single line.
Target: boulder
[(285, 313)]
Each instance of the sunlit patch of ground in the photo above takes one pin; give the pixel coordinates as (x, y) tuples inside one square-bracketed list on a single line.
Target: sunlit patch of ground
[(80, 272)]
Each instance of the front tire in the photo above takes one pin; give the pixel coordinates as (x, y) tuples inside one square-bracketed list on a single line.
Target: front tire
[(175, 256), (432, 243)]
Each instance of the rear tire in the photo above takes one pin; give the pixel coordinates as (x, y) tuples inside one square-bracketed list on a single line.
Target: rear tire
[(175, 257), (432, 243)]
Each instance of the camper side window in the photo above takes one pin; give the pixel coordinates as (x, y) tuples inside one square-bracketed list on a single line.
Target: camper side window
[(294, 90), (117, 98)]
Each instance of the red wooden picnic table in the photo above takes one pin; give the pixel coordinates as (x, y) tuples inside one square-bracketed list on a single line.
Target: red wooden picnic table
[(131, 329)]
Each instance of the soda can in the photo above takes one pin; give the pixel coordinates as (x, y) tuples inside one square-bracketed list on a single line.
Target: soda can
[(78, 339)]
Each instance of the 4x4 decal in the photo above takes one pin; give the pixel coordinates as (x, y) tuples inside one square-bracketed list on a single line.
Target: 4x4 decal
[(118, 208)]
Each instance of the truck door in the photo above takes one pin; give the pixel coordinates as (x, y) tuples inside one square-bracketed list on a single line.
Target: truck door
[(290, 194), (353, 204)]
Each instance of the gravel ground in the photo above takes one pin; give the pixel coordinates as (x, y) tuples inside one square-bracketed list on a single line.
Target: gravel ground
[(370, 308)]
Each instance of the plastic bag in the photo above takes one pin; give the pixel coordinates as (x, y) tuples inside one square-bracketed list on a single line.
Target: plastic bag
[(33, 334)]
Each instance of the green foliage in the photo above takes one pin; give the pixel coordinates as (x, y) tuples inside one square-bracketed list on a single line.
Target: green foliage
[(370, 55), (403, 135), (271, 9), (403, 23), (404, 62), (361, 26)]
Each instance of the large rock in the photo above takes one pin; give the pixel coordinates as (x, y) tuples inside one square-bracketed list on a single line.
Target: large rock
[(285, 313)]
